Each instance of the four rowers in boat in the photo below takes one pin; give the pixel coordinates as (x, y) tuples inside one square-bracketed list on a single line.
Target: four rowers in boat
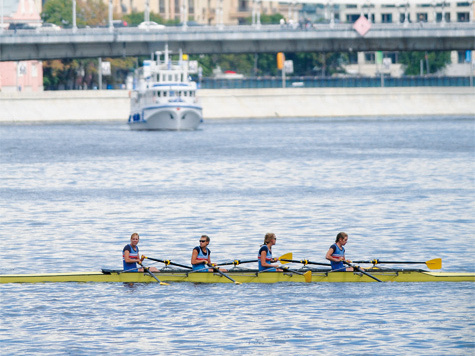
[(201, 255)]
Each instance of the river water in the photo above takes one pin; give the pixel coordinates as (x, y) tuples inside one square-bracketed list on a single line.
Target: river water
[(71, 195)]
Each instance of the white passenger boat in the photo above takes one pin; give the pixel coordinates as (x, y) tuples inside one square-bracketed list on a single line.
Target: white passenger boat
[(164, 97)]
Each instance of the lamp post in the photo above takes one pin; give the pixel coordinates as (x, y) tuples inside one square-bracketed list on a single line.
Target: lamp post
[(111, 27), (74, 16)]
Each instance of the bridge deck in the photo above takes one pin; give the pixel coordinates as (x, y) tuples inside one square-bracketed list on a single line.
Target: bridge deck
[(102, 42)]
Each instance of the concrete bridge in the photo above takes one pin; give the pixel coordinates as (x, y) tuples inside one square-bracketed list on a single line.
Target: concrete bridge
[(105, 42)]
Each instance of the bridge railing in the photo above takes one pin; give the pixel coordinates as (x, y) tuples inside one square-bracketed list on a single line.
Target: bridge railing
[(324, 82), (313, 82), (237, 29)]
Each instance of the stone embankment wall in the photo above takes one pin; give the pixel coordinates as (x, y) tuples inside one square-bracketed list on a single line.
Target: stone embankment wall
[(113, 105)]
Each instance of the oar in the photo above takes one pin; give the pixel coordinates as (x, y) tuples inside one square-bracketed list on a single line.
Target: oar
[(307, 262), (436, 263), (360, 270), (166, 262), (154, 276), (284, 258), (216, 269)]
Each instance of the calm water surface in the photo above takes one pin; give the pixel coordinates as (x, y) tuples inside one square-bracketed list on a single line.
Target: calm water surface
[(71, 195)]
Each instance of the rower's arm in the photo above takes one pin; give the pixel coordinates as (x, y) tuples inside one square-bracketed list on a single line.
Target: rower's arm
[(329, 256), (128, 259), (263, 260), (194, 258)]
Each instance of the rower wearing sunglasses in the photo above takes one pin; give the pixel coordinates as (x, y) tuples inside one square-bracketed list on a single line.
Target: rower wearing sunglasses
[(201, 256)]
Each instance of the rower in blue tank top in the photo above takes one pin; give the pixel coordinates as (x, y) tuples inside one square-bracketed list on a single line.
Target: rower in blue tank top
[(264, 258), (336, 253), (131, 255), (201, 256)]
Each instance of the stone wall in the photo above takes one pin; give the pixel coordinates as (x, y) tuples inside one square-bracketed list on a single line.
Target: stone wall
[(113, 105)]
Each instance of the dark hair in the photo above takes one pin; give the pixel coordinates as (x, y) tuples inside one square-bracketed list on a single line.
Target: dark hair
[(206, 237), (341, 236)]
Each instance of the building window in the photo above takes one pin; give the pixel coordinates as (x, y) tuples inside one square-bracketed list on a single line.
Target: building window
[(392, 55), (352, 18), (460, 56), (243, 6), (422, 17), (463, 17), (386, 18), (369, 57), (439, 17), (352, 58), (402, 18)]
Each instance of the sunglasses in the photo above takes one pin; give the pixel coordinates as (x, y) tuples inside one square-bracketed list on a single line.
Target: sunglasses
[(203, 241)]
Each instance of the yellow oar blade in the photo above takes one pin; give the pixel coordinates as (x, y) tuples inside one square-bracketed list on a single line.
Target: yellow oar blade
[(287, 256), (164, 284), (436, 263), (308, 276)]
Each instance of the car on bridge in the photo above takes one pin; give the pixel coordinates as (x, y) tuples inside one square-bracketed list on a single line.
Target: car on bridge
[(119, 23), (20, 26), (150, 25), (49, 27)]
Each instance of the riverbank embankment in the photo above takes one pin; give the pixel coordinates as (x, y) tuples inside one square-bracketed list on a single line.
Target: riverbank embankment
[(113, 105)]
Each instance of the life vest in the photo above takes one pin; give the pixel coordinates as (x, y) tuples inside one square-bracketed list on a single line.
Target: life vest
[(338, 253), (201, 257), (268, 258), (132, 254)]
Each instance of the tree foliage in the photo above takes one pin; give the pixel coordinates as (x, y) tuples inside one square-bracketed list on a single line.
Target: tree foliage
[(88, 12), (273, 19), (93, 13), (58, 12), (412, 61)]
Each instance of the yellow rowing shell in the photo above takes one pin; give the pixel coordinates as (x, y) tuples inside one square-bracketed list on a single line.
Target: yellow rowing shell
[(242, 277)]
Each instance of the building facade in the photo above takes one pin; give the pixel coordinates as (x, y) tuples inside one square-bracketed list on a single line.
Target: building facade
[(205, 12), (24, 75), (400, 13)]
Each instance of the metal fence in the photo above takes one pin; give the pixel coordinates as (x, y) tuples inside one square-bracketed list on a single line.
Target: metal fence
[(323, 82)]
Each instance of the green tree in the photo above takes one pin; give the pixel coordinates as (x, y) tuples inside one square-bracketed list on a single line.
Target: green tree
[(412, 60), (58, 12), (88, 12), (266, 19), (93, 13)]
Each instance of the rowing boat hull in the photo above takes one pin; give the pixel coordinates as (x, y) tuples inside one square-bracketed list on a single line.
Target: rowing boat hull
[(242, 277)]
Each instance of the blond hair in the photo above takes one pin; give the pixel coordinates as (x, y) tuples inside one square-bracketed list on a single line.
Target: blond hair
[(268, 238)]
